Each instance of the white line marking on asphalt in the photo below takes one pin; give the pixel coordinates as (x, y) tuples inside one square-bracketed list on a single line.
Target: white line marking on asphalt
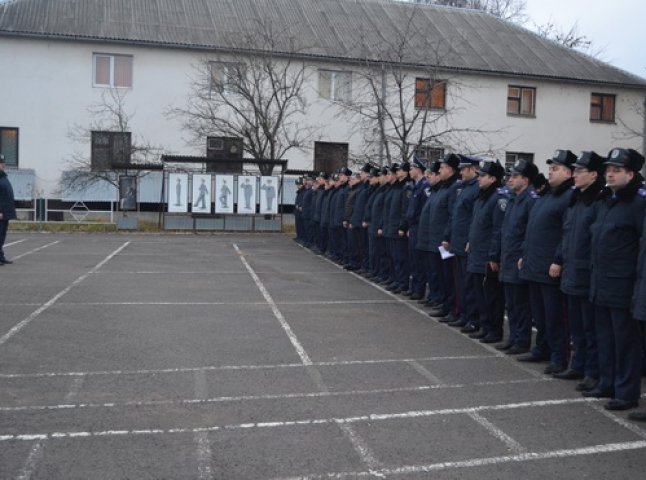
[(424, 372), (17, 257), (36, 452), (512, 444), (243, 367), (203, 453), (483, 462), (241, 398), (15, 243), (375, 417), (29, 467), (618, 420), (277, 313), (361, 447), (22, 324)]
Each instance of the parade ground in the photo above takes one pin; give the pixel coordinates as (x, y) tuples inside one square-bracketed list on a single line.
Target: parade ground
[(132, 356)]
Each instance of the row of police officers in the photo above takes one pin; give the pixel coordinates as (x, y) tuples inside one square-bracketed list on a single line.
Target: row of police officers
[(473, 242)]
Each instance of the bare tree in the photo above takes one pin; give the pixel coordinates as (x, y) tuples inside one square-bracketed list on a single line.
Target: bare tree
[(254, 92), (511, 10), (108, 116), (570, 38), (399, 106)]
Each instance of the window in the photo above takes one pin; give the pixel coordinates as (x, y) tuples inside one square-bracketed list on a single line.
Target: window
[(112, 70), (226, 77), (110, 148), (430, 93), (335, 86), (9, 145), (602, 108), (521, 101), (429, 154), (512, 157), (330, 156)]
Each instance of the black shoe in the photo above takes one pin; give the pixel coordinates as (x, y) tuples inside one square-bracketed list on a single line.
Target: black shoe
[(422, 301), (469, 329), (407, 293), (350, 268), (433, 304), (490, 339), (391, 287), (447, 318), (638, 416), (479, 335), (503, 346), (531, 359), (569, 374), (437, 312), (4, 261), (616, 404), (459, 323), (416, 296), (517, 350), (553, 368), (596, 393), (587, 384)]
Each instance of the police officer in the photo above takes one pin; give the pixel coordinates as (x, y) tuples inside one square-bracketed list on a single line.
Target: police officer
[(352, 259), (574, 258), (375, 220), (373, 185), (512, 236), (337, 212), (358, 232), (539, 265), (426, 247), (456, 242), (7, 209), (321, 182), (483, 262), (441, 212), (307, 211), (397, 228), (418, 194), (326, 236), (298, 210), (616, 233)]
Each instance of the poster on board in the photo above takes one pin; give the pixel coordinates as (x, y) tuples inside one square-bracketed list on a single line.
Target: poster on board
[(177, 193), (246, 194), (224, 194), (269, 195), (127, 193), (201, 194)]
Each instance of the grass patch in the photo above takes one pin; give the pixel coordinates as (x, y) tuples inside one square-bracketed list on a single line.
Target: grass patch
[(25, 226)]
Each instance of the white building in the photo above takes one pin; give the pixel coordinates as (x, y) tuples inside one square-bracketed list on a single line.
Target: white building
[(523, 95)]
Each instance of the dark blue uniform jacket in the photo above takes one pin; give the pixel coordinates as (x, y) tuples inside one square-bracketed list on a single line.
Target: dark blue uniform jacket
[(544, 233), (363, 190), (416, 202), (441, 211), (424, 225), (513, 234), (318, 204), (7, 203), (639, 304), (461, 219), (337, 206), (616, 232), (308, 204), (485, 228), (325, 207), (395, 209), (574, 254), (375, 218)]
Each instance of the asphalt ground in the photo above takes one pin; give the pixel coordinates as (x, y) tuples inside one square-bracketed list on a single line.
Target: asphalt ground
[(246, 356)]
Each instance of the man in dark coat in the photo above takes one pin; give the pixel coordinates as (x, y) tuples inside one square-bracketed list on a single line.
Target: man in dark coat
[(441, 212), (337, 212), (468, 317), (483, 262), (375, 219), (298, 210), (7, 209), (367, 266), (352, 258), (574, 258), (511, 240), (616, 233), (418, 188), (538, 265)]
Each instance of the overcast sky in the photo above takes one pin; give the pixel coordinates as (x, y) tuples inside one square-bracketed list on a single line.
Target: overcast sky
[(617, 27)]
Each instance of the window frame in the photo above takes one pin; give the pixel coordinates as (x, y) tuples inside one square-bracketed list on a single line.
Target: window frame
[(517, 156), (110, 148), (429, 92), (335, 81), (521, 101), (111, 73), (227, 86), (2, 149), (429, 153), (600, 106)]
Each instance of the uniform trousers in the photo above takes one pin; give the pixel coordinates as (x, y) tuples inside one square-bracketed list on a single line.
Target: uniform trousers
[(465, 298), (4, 226), (520, 319), (382, 264), (490, 302), (549, 312), (352, 255), (619, 344), (418, 273), (585, 358), (364, 248), (401, 265), (432, 276), (324, 235)]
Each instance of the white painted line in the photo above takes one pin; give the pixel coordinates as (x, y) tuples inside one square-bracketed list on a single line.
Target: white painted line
[(17, 257), (365, 453), (22, 324), (483, 462), (240, 367), (305, 422), (512, 444), (619, 420), (15, 242), (203, 451), (277, 313), (29, 467), (77, 384), (424, 372)]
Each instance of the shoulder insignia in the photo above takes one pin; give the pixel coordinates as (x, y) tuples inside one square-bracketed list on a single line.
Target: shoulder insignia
[(409, 193), (427, 191), (642, 192), (502, 190), (458, 191), (534, 194), (502, 204)]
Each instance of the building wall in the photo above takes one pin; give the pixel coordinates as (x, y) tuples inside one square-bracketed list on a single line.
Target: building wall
[(47, 90)]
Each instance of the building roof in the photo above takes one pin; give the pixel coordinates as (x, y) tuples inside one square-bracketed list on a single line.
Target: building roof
[(350, 30)]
